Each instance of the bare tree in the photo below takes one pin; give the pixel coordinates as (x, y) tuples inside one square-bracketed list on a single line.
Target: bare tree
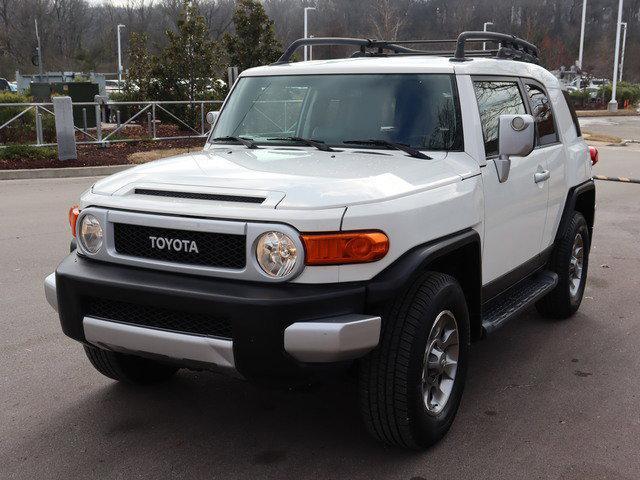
[(81, 34), (388, 17)]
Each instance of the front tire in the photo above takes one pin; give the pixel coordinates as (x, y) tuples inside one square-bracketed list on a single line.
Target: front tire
[(570, 260), (128, 368), (412, 383)]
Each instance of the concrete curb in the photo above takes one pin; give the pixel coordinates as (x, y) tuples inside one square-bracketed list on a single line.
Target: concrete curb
[(616, 179), (70, 172)]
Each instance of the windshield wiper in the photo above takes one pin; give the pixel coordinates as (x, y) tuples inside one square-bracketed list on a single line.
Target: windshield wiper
[(392, 145), (247, 142), (312, 143)]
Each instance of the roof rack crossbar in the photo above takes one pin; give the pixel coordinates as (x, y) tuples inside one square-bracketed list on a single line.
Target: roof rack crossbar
[(358, 42), (510, 46)]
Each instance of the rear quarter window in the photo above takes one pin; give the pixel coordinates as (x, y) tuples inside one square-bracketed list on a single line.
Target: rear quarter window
[(543, 115), (572, 110)]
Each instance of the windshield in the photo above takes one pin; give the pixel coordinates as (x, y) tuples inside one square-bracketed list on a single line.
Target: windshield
[(418, 110)]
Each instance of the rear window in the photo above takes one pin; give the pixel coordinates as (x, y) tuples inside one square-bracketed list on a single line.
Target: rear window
[(572, 110)]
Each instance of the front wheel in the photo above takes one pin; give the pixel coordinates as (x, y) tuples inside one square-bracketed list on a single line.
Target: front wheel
[(570, 260), (411, 385)]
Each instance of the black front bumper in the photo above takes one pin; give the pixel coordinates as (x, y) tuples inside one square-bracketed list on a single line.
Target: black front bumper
[(258, 313)]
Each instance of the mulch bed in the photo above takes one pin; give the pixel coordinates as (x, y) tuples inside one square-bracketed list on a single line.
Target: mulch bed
[(94, 155), (629, 112)]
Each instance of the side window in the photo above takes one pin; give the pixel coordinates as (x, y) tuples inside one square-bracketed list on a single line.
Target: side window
[(496, 98), (572, 110), (543, 115)]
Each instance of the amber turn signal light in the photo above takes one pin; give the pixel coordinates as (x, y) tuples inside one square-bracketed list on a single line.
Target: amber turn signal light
[(344, 248), (73, 218)]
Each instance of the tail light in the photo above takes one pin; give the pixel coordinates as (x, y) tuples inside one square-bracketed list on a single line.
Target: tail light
[(593, 151), (344, 248), (73, 218)]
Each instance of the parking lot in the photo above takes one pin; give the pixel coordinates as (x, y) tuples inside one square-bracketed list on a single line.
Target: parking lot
[(627, 128), (544, 399)]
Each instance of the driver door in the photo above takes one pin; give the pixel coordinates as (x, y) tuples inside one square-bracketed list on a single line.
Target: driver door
[(515, 210)]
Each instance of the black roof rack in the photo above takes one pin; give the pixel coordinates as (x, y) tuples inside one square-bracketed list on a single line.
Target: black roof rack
[(364, 44), (508, 47)]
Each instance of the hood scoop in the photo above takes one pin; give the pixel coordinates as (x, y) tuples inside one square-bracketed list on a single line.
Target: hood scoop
[(216, 197)]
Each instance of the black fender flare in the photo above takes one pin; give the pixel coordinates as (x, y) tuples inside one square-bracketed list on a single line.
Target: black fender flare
[(401, 274), (582, 195)]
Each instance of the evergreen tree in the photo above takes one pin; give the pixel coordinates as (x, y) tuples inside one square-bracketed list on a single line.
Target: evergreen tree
[(254, 42), (140, 74), (187, 67)]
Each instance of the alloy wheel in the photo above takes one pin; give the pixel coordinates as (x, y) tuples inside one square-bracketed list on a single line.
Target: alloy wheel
[(440, 362), (576, 264)]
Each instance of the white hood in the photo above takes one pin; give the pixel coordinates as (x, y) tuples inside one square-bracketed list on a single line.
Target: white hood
[(294, 178)]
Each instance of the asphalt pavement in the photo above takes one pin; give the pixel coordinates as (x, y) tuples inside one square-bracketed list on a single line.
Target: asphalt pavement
[(627, 128), (544, 399)]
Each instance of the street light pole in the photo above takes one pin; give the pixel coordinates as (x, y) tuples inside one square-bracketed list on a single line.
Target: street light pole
[(119, 57), (39, 51), (613, 104), (484, 29), (310, 50), (624, 43), (584, 21), (306, 30)]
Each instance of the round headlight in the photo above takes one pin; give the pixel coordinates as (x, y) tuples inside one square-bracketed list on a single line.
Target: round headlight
[(90, 234), (276, 253)]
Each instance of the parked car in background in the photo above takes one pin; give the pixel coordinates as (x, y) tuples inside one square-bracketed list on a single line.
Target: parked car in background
[(112, 86)]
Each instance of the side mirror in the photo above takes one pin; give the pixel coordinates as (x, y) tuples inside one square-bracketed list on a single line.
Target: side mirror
[(212, 117), (515, 138)]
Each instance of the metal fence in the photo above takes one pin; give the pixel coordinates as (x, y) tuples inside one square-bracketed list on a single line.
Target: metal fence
[(107, 114)]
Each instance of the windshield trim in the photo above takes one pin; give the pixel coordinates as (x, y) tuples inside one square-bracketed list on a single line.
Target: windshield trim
[(454, 90)]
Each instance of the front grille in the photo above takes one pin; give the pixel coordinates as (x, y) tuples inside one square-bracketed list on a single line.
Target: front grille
[(221, 250), (154, 317), (200, 196)]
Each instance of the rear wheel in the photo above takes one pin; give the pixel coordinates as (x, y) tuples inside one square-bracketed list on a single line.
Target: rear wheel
[(570, 260), (411, 385), (128, 368)]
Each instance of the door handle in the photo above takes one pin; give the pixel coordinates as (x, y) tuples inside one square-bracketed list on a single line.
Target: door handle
[(541, 176)]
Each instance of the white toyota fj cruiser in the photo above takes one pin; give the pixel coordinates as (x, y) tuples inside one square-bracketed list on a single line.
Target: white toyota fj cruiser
[(388, 209)]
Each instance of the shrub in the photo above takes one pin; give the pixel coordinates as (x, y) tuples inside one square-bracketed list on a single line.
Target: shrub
[(11, 97), (625, 92), (16, 130), (27, 152), (126, 111), (580, 98), (23, 129)]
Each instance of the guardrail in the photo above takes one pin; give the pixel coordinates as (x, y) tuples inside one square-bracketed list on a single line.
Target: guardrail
[(107, 110)]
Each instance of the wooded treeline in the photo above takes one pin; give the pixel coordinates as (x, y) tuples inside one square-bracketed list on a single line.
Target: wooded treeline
[(79, 35)]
